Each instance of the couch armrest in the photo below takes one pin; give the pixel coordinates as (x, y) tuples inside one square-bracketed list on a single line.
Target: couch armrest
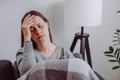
[(16, 71), (6, 70)]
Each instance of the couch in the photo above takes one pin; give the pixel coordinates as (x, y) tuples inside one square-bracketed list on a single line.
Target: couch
[(9, 71)]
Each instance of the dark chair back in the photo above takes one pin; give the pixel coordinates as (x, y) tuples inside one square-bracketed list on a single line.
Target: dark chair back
[(6, 70), (16, 71)]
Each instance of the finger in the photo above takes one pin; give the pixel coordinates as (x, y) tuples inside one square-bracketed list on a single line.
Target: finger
[(28, 22), (29, 18), (32, 24), (28, 25)]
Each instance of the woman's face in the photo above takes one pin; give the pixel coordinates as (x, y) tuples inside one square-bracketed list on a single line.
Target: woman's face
[(39, 31)]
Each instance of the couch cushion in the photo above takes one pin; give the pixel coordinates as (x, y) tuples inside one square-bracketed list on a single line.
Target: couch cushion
[(6, 70)]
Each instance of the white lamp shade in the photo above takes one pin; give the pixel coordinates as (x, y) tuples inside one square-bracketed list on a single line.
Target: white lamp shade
[(83, 12)]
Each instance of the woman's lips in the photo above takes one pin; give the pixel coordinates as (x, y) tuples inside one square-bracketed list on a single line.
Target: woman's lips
[(40, 37)]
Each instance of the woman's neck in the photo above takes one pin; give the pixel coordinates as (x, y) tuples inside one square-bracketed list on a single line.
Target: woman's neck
[(46, 48)]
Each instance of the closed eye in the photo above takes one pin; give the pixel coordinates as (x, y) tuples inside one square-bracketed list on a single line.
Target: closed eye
[(39, 25)]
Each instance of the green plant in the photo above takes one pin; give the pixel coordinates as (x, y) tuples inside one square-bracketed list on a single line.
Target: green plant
[(118, 12), (114, 50)]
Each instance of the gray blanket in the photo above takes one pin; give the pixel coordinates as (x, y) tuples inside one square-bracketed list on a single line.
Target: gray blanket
[(66, 69)]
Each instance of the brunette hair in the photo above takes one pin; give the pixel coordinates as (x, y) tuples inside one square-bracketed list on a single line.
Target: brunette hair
[(36, 13)]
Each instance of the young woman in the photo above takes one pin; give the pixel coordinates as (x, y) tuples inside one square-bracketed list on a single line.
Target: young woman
[(37, 44)]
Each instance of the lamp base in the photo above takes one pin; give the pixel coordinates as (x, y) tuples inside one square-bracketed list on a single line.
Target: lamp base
[(84, 46)]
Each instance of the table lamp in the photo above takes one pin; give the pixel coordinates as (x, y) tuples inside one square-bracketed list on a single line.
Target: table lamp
[(83, 13)]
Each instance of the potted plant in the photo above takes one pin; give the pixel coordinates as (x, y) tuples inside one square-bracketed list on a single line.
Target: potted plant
[(114, 50)]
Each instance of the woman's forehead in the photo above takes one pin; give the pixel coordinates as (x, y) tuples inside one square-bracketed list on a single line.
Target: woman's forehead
[(39, 19)]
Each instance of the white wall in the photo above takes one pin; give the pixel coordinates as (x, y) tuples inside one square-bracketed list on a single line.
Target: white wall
[(11, 12)]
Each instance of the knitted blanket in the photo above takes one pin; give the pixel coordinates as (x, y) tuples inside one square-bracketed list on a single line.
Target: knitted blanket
[(66, 69)]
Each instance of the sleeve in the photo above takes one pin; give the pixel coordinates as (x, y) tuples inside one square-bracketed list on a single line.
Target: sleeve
[(25, 57)]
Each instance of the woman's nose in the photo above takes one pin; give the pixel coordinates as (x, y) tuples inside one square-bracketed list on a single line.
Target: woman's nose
[(38, 30)]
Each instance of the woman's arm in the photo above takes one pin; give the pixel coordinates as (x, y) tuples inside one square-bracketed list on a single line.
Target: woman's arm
[(25, 57)]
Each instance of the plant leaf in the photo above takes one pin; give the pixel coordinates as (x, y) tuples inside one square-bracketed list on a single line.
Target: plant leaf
[(110, 55), (115, 41), (118, 60), (107, 52), (112, 60), (118, 11), (118, 30), (116, 33), (115, 44), (115, 67), (116, 51), (115, 37), (118, 55), (111, 49)]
